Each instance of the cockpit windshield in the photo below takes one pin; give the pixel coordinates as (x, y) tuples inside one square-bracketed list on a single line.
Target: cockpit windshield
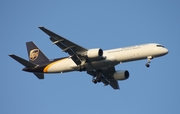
[(159, 46)]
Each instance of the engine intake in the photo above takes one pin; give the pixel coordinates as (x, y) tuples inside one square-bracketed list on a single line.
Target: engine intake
[(94, 53), (121, 75)]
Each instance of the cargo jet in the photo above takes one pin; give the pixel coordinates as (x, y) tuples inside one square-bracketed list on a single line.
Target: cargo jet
[(98, 63)]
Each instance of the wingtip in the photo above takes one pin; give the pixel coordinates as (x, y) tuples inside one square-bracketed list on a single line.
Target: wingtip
[(11, 54), (41, 27), (29, 42)]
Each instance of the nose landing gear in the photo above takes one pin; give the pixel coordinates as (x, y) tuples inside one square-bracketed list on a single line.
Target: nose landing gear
[(149, 61), (147, 65)]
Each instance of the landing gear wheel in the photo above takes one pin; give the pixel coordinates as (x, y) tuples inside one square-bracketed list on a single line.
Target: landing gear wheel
[(94, 81), (82, 68), (147, 65), (149, 58), (98, 80)]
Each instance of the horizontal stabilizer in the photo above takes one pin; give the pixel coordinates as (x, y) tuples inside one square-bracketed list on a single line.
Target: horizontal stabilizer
[(39, 75), (23, 61)]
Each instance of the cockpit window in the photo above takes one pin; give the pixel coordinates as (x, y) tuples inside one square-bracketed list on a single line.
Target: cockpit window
[(159, 46)]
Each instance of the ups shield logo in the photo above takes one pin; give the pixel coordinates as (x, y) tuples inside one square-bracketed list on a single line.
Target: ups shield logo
[(34, 54)]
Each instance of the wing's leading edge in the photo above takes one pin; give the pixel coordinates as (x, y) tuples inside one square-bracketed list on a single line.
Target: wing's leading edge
[(62, 42), (71, 48)]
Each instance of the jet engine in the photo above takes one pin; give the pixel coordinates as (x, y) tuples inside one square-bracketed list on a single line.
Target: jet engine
[(121, 75), (94, 53)]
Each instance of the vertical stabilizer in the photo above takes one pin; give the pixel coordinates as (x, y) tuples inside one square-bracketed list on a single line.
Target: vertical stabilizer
[(35, 54)]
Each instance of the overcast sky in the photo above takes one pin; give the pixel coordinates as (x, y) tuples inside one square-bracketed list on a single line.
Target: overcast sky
[(92, 24)]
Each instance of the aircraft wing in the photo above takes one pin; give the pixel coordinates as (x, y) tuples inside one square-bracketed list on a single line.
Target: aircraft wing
[(106, 77), (108, 73), (71, 48)]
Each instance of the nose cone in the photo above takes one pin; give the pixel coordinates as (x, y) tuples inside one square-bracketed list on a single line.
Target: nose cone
[(165, 51)]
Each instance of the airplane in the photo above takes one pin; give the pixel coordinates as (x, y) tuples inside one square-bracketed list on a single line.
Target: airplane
[(98, 63)]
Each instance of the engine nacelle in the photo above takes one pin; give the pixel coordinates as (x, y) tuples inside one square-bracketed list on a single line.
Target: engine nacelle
[(121, 75), (94, 53)]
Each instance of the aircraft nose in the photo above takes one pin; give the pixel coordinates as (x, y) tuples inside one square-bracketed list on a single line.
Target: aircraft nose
[(166, 51)]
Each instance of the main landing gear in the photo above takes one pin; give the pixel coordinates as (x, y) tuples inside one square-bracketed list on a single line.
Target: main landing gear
[(82, 68), (95, 80), (149, 61), (97, 77)]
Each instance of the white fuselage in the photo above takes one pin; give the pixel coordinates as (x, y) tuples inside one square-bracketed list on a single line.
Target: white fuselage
[(111, 58)]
